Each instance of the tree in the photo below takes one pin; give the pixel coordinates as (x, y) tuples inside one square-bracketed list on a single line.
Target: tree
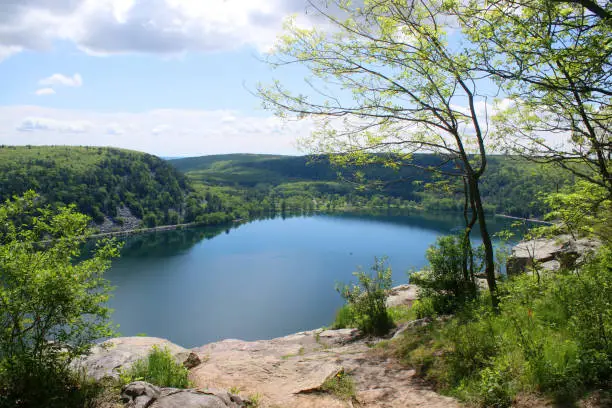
[(386, 80), (553, 60), (52, 301)]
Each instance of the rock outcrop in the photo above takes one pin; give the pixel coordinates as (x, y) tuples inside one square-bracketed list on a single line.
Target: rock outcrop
[(106, 359), (283, 372), (140, 394), (402, 295), (289, 371), (550, 253)]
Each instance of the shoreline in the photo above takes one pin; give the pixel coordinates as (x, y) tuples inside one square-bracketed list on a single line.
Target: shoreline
[(534, 220), (174, 227)]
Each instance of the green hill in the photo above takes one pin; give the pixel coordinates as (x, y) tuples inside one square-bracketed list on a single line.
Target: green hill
[(102, 182), (511, 185)]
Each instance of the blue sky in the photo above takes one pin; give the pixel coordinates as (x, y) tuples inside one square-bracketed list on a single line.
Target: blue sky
[(170, 77)]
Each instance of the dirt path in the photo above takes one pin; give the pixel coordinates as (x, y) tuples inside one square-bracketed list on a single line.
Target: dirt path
[(288, 372)]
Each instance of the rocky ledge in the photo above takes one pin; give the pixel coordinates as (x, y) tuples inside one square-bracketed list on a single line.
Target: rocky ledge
[(285, 372), (550, 254)]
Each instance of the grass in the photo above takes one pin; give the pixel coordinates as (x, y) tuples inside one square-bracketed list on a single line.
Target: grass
[(549, 340), (401, 314), (158, 368), (341, 385), (254, 401)]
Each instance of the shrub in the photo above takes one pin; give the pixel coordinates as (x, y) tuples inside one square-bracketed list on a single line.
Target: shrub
[(345, 318), (423, 308), (444, 283), (367, 299), (158, 368), (550, 335), (52, 302)]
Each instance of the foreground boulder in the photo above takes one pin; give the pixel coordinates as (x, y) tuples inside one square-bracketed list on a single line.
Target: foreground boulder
[(552, 254), (140, 394)]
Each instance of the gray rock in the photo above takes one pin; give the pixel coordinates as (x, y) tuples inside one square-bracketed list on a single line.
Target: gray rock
[(408, 325), (106, 359), (550, 254), (140, 394), (402, 295), (192, 361)]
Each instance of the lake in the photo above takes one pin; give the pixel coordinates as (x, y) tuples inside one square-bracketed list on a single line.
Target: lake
[(263, 279)]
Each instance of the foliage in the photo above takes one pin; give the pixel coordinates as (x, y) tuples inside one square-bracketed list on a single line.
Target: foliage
[(99, 181), (341, 385), (49, 386), (584, 210), (52, 302), (550, 336), (345, 318), (158, 368), (565, 91), (259, 183), (366, 299), (443, 284)]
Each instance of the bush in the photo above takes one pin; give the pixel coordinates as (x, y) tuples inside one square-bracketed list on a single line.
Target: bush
[(158, 368), (52, 302), (345, 318), (366, 299), (549, 336), (44, 383), (444, 283)]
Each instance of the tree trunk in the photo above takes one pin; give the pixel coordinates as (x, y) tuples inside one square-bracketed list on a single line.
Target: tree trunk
[(486, 241)]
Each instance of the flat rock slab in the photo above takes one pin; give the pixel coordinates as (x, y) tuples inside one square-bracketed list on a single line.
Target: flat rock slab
[(289, 371), (107, 358)]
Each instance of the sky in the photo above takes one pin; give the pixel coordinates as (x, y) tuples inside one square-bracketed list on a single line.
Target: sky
[(169, 77)]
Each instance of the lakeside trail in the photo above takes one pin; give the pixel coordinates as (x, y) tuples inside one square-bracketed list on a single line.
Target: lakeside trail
[(288, 371)]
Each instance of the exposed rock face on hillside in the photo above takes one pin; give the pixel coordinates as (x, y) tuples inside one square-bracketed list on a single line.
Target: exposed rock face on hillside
[(128, 221), (550, 253)]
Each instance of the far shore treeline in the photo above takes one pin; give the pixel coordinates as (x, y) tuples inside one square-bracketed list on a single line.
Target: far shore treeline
[(105, 183)]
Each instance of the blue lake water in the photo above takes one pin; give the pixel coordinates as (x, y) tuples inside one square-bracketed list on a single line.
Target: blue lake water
[(259, 280)]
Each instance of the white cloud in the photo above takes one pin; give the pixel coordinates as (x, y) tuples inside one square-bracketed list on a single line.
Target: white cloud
[(151, 26), (114, 129), (33, 124), (62, 80), (45, 91), (165, 132), (158, 130), (228, 119)]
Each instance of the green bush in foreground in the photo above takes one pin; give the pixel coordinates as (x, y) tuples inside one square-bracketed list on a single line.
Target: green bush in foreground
[(366, 306), (158, 368), (444, 283), (551, 337), (52, 303)]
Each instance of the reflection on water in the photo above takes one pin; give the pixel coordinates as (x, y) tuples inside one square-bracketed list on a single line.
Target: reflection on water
[(262, 279)]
